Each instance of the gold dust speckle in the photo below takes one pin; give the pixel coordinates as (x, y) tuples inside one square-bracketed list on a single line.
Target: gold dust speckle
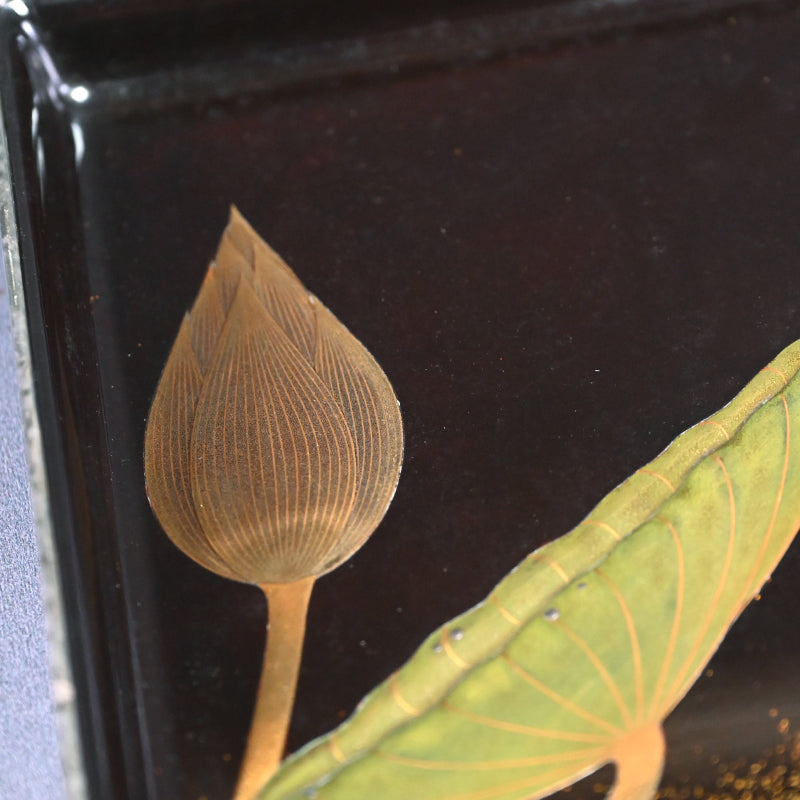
[(773, 712), (775, 776)]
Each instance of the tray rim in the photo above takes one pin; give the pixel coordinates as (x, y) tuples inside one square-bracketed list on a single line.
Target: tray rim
[(62, 686), (61, 670)]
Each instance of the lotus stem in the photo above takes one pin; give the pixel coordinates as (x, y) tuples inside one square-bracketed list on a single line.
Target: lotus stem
[(288, 607)]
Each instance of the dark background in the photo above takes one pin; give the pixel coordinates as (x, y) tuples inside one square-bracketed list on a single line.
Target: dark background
[(566, 231)]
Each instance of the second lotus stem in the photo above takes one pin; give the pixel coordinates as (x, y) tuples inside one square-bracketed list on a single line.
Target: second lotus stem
[(287, 608)]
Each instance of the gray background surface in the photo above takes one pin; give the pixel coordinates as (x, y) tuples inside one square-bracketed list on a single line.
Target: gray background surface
[(30, 768)]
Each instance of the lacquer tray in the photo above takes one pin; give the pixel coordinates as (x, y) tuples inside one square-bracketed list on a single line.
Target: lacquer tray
[(567, 231)]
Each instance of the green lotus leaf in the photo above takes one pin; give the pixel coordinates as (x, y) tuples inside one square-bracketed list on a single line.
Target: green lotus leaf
[(578, 655)]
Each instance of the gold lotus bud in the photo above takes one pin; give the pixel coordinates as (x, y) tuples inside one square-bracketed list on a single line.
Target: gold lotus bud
[(272, 451), (274, 441)]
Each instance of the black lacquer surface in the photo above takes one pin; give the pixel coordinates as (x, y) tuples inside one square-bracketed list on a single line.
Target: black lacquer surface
[(563, 253)]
